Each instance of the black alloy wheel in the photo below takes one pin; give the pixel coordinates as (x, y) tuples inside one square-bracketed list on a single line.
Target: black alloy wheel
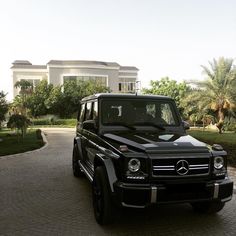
[(104, 209)]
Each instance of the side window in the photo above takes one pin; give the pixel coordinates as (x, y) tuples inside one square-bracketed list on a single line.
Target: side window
[(95, 111), (166, 114), (82, 111), (88, 111), (111, 112), (151, 110)]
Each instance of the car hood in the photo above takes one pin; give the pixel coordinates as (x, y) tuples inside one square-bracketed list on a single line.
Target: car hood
[(158, 142)]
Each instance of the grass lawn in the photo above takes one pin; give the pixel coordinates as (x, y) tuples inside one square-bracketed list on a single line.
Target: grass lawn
[(214, 137), (11, 145), (227, 140)]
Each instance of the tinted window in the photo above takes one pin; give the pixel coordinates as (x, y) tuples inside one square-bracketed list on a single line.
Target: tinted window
[(95, 111), (81, 117), (88, 111), (167, 114), (137, 111)]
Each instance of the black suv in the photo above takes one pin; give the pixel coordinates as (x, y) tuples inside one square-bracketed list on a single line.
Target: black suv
[(135, 151)]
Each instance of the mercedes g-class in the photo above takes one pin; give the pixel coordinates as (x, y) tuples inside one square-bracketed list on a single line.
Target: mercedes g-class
[(135, 151)]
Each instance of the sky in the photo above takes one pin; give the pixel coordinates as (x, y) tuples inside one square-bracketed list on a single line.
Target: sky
[(160, 37)]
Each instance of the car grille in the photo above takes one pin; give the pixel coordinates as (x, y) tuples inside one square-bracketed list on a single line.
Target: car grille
[(169, 166)]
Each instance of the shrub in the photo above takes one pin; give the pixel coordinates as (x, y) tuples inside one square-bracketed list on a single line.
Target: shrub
[(41, 121), (19, 122), (38, 134), (67, 122), (230, 127)]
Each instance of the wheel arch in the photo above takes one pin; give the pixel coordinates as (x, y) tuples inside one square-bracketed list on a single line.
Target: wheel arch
[(101, 160), (77, 143)]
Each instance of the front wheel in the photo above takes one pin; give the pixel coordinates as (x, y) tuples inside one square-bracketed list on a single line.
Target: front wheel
[(104, 209), (208, 207)]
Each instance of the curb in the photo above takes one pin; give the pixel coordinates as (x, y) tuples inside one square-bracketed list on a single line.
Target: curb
[(28, 152)]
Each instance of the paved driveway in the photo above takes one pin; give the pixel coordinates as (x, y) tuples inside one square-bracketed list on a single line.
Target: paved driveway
[(40, 196)]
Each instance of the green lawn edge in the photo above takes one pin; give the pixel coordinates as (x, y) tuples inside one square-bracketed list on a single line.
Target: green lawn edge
[(11, 144)]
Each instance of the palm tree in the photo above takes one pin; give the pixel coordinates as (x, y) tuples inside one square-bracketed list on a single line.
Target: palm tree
[(26, 89), (218, 90), (3, 106)]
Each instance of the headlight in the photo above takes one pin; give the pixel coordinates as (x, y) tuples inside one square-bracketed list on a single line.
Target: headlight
[(134, 165), (218, 162)]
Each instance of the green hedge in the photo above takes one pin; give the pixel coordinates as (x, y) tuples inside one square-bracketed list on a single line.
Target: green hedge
[(52, 121), (69, 122)]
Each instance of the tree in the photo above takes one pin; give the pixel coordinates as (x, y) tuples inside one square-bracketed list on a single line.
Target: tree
[(18, 106), (3, 106), (19, 122), (37, 101), (64, 100), (26, 89), (48, 99), (171, 88), (217, 92)]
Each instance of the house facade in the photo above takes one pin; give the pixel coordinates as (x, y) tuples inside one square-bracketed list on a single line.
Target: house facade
[(120, 79)]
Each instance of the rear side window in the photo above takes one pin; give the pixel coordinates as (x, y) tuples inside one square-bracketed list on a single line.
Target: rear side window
[(95, 110), (88, 115), (88, 111), (82, 111)]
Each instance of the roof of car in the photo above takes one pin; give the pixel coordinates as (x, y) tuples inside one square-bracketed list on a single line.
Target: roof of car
[(122, 95)]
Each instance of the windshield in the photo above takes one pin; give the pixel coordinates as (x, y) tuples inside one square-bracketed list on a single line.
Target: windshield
[(157, 113)]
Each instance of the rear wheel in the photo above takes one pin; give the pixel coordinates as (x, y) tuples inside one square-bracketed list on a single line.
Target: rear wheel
[(104, 209), (208, 207), (75, 162)]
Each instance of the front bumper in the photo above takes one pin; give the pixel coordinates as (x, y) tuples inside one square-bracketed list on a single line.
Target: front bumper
[(142, 195)]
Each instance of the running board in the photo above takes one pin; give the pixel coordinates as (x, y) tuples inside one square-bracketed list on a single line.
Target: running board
[(90, 178)]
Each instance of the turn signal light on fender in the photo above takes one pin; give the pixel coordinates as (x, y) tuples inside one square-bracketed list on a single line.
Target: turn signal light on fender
[(123, 148)]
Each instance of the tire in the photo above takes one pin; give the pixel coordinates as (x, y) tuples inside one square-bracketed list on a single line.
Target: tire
[(208, 207), (104, 209), (75, 163)]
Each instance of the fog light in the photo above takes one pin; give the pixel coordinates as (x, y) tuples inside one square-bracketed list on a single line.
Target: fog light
[(218, 162), (134, 165)]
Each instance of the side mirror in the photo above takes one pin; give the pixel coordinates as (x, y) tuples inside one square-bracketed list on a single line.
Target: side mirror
[(90, 125), (186, 125)]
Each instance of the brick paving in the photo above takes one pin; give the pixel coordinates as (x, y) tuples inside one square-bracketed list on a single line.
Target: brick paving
[(40, 196), (232, 174)]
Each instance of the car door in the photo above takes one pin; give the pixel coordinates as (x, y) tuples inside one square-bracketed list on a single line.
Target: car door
[(90, 135)]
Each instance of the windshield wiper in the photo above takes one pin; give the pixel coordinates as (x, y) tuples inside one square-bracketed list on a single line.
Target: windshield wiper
[(122, 124), (151, 124)]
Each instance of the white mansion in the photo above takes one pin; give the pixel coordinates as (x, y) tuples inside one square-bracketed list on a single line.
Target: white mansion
[(111, 74)]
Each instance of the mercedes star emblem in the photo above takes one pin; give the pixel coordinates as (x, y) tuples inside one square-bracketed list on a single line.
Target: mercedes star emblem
[(182, 167)]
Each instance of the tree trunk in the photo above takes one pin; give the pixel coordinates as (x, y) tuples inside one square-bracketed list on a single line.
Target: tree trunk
[(221, 118)]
